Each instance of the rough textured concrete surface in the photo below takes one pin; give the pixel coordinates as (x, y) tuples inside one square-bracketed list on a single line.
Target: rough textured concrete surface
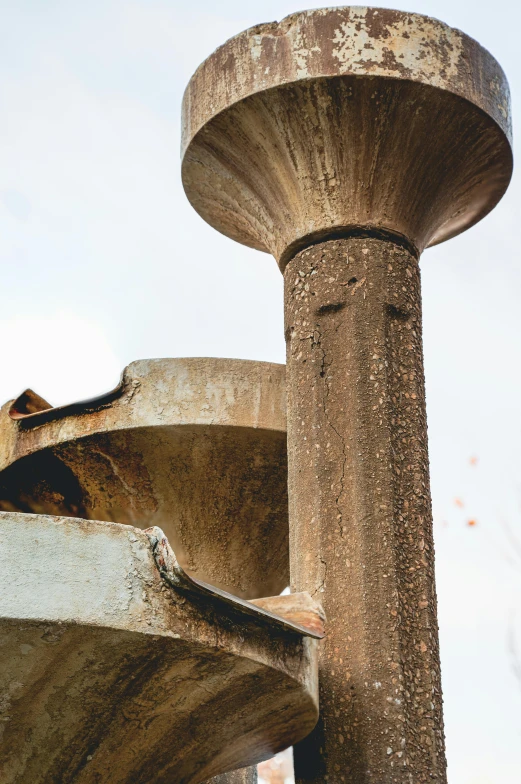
[(325, 121), (344, 141), (110, 673), (361, 533), (196, 446), (242, 776)]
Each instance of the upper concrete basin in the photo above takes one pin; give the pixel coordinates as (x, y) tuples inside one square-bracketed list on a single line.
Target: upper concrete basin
[(195, 446)]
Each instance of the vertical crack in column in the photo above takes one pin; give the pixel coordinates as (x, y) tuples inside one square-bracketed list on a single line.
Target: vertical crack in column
[(322, 311)]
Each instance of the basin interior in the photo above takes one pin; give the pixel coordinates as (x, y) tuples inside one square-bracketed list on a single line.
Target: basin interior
[(218, 492)]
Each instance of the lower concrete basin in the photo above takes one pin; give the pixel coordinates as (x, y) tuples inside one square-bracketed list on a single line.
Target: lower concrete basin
[(115, 667)]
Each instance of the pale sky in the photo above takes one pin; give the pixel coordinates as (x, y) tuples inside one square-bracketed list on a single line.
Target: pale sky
[(103, 261)]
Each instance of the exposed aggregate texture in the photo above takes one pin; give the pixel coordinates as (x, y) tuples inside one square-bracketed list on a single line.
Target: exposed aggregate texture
[(360, 510)]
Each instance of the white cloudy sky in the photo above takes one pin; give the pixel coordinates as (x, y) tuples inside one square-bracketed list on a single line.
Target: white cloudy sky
[(103, 261)]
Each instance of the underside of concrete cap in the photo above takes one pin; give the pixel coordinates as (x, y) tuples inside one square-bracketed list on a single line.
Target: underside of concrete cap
[(346, 118)]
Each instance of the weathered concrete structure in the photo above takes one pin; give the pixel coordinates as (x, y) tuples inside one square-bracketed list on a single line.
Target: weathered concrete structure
[(115, 670), (344, 142), (241, 776), (144, 534), (119, 663), (195, 446)]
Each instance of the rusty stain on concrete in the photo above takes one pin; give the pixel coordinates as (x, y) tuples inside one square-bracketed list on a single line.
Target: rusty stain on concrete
[(343, 141), (294, 610)]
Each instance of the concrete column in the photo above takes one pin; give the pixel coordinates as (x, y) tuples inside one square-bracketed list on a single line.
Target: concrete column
[(345, 141), (360, 509)]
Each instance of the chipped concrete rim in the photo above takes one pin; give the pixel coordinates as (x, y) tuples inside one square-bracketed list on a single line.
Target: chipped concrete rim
[(443, 57)]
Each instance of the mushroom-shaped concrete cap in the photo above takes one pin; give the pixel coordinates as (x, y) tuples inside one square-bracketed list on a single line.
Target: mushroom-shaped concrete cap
[(346, 118)]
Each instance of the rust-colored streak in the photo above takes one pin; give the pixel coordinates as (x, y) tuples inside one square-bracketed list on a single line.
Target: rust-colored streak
[(27, 404)]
